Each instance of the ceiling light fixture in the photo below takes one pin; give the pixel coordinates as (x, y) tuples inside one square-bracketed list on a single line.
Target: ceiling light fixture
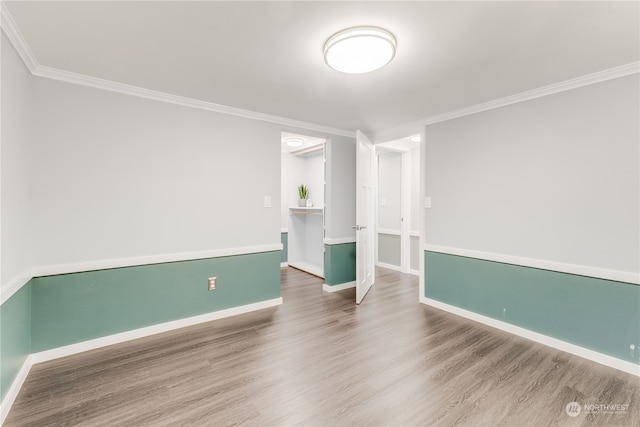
[(294, 142), (359, 50)]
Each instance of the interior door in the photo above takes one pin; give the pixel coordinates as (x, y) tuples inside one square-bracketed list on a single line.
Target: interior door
[(365, 238)]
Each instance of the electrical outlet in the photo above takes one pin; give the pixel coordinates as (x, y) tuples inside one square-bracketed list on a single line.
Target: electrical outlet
[(213, 283)]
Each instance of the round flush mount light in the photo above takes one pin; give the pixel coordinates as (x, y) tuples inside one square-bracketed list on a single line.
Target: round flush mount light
[(294, 142), (359, 50)]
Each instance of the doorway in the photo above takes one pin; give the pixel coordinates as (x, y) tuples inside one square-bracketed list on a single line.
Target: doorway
[(397, 205), (302, 210)]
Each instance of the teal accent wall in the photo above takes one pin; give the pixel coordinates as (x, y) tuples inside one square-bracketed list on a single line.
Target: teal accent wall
[(339, 263), (284, 254), (15, 336), (601, 315), (76, 307)]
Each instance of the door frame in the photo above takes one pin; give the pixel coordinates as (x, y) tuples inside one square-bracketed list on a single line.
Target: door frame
[(405, 233)]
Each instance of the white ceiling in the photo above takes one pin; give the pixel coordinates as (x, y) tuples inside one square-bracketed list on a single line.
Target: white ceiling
[(267, 56)]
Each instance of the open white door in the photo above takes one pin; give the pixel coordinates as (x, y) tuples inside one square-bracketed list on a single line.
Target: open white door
[(365, 238)]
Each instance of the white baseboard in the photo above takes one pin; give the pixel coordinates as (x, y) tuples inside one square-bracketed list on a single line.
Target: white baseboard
[(284, 264), (14, 389), (585, 353), (80, 347), (388, 266), (316, 270), (340, 287)]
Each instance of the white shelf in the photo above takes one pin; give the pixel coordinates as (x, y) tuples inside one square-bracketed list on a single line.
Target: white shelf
[(300, 210)]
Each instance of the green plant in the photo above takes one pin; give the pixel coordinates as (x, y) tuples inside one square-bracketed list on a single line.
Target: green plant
[(303, 191)]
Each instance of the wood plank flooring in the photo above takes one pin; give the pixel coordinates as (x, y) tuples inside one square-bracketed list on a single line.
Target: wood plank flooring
[(320, 360)]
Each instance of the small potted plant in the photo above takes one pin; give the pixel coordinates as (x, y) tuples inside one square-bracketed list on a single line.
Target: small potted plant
[(303, 192)]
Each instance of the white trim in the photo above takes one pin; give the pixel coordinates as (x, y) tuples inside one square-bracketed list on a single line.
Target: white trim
[(316, 270), (47, 355), (388, 266), (25, 52), (414, 234), (338, 240), (68, 350), (14, 389), (389, 232), (585, 353), (589, 79), (51, 270), (97, 83), (284, 230), (340, 287), (17, 40), (14, 285), (414, 272), (580, 270), (405, 239), (284, 264), (581, 81)]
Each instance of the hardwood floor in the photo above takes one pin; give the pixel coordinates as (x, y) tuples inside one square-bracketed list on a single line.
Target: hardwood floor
[(320, 360)]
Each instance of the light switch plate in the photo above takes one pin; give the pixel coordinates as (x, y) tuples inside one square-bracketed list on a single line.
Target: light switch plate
[(267, 201), (427, 202), (213, 283)]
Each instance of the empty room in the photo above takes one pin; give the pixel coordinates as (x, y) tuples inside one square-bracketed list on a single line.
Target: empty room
[(317, 213)]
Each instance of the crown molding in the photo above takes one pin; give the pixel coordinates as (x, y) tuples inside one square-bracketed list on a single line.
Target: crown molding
[(589, 79), (405, 129), (97, 83), (17, 40), (14, 35)]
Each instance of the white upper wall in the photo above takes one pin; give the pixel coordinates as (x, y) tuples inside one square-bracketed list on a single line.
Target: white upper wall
[(340, 214), (15, 154), (390, 191), (296, 170), (115, 176), (554, 178)]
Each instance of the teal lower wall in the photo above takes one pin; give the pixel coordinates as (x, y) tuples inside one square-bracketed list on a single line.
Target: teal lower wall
[(76, 307), (339, 263), (596, 314), (284, 253), (15, 336)]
